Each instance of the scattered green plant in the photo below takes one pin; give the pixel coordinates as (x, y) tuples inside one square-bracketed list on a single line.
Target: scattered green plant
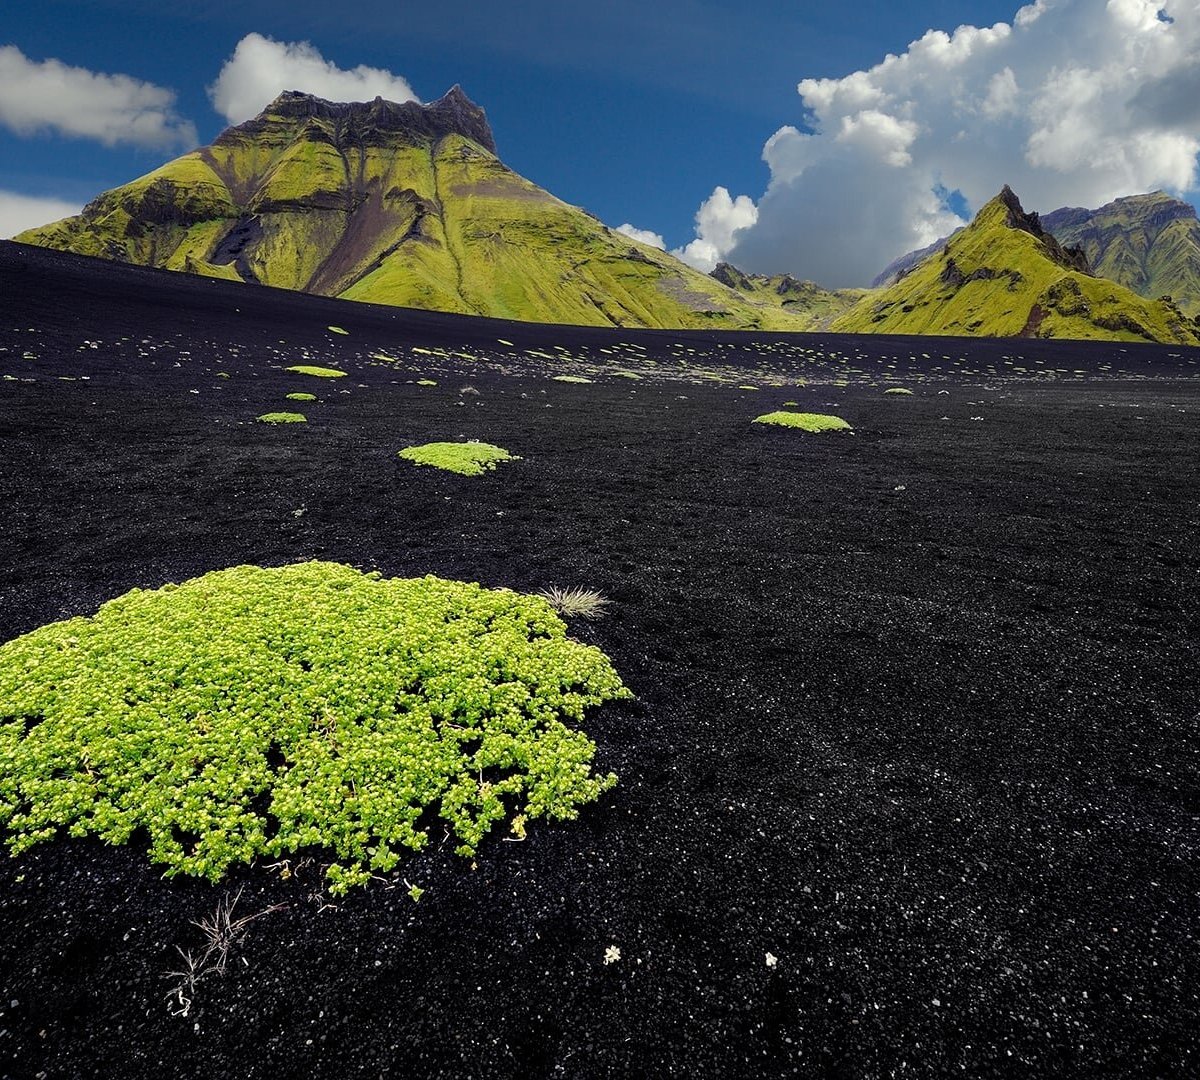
[(338, 330), (578, 601), (258, 711), (570, 378), (466, 458), (427, 382), (283, 418), (814, 422), (899, 391), (319, 372), (302, 397)]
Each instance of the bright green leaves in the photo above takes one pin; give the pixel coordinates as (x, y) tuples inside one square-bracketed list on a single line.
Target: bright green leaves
[(317, 371), (259, 711), (282, 418), (813, 422), (466, 458)]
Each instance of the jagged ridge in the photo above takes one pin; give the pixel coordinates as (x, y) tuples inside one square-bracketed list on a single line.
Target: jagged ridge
[(806, 299), (403, 204), (1149, 243), (1004, 275)]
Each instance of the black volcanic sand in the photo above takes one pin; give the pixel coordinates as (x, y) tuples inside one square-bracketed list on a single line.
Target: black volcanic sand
[(917, 708)]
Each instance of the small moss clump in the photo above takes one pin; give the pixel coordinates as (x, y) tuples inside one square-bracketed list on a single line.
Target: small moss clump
[(319, 372), (282, 418), (899, 391), (805, 421), (337, 330), (467, 458), (302, 397), (570, 378), (427, 382), (255, 712)]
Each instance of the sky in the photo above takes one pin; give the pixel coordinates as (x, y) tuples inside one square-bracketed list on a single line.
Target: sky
[(806, 137)]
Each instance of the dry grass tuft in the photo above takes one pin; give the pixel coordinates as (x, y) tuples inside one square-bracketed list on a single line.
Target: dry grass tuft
[(577, 602)]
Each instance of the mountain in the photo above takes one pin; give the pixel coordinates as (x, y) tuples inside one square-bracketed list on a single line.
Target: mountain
[(1005, 276), (394, 204), (897, 268), (1148, 243), (804, 299)]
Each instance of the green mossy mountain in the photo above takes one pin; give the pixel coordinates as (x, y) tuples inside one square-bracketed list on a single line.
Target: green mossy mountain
[(1148, 243), (1006, 276), (402, 204), (806, 300)]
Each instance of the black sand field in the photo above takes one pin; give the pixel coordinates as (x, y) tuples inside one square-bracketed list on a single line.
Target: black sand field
[(918, 708)]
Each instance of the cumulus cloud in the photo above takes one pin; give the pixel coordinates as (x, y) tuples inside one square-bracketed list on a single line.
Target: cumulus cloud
[(261, 68), (21, 212), (1076, 102), (719, 219), (49, 95), (643, 236)]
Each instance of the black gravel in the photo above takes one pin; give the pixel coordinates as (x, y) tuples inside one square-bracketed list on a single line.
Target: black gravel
[(917, 709)]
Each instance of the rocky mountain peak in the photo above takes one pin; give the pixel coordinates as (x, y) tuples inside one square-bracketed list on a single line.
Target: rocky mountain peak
[(379, 121), (1071, 258)]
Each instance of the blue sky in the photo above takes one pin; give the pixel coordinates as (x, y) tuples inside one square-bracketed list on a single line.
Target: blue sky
[(640, 111)]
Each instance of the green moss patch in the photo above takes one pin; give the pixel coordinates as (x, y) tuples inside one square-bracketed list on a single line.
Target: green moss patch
[(254, 712), (899, 391), (282, 418), (337, 330), (467, 458), (570, 378), (805, 421), (302, 397), (319, 372), (427, 382)]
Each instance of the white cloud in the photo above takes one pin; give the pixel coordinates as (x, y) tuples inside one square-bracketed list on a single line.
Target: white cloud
[(719, 219), (21, 212), (1075, 103), (49, 95), (642, 236), (261, 68)]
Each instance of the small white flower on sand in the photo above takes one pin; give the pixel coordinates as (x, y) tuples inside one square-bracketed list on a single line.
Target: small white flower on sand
[(612, 954), (772, 960)]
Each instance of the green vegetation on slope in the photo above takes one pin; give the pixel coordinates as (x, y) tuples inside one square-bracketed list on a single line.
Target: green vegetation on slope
[(806, 300), (396, 204), (259, 711), (465, 458), (1003, 276), (1148, 243)]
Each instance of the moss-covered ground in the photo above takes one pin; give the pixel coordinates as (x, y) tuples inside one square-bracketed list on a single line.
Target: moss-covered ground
[(812, 422), (257, 712), (466, 458), (914, 715)]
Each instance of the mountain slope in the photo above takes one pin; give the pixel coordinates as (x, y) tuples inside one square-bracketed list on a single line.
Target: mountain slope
[(1148, 243), (804, 299), (394, 204), (1005, 276)]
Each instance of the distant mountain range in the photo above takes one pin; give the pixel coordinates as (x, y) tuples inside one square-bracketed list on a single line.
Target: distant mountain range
[(1004, 275), (1148, 243), (395, 204), (409, 205), (817, 306)]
